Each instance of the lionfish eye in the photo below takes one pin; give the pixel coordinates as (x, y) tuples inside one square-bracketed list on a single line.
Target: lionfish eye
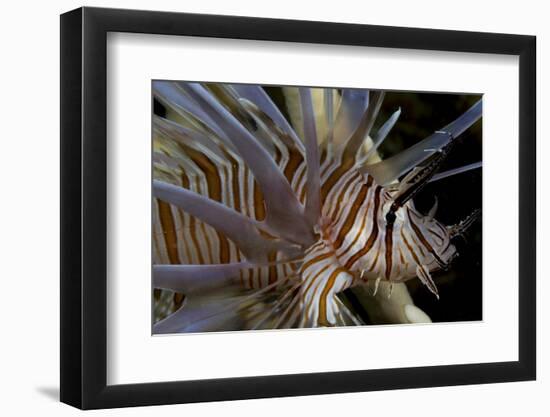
[(390, 217)]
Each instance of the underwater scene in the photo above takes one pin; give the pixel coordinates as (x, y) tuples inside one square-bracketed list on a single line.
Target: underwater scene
[(288, 207)]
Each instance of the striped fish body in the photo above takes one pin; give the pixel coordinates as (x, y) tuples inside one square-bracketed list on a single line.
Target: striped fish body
[(354, 245), (364, 243), (357, 246)]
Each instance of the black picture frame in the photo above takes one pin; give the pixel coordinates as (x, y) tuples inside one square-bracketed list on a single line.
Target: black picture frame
[(84, 207)]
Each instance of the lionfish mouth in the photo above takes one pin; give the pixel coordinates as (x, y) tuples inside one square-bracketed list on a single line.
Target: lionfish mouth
[(262, 222)]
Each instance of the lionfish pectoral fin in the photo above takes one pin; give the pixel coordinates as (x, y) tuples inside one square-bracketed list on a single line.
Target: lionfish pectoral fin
[(192, 279), (284, 211), (391, 169), (200, 315), (227, 308), (354, 143), (313, 197), (346, 317), (242, 230), (259, 97), (172, 96), (349, 113), (328, 103), (180, 134), (424, 275)]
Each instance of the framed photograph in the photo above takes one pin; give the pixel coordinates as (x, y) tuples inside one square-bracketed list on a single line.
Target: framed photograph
[(258, 208)]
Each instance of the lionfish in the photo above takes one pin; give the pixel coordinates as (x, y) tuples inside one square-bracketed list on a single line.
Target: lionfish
[(260, 225)]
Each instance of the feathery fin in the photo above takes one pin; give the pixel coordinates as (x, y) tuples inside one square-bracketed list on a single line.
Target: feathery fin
[(237, 227), (191, 279), (389, 170), (259, 97), (358, 137), (313, 201), (173, 97), (284, 212), (349, 113)]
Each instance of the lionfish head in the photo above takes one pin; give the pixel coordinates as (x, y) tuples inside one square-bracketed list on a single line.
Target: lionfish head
[(433, 237)]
